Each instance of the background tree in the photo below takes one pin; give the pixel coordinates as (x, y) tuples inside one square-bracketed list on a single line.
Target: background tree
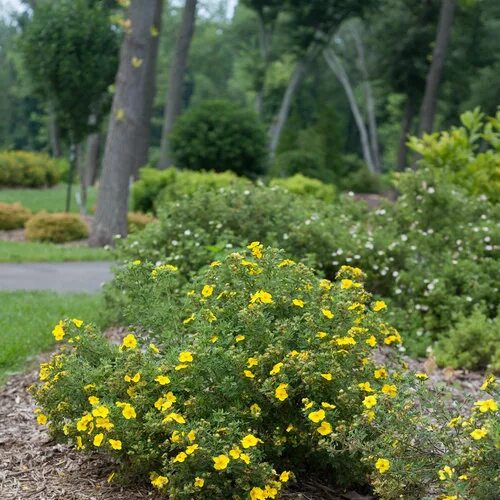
[(130, 104)]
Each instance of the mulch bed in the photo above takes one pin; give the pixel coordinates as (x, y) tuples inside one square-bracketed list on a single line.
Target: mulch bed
[(34, 466)]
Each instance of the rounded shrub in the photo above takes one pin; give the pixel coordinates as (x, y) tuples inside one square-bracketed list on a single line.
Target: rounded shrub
[(13, 216), (218, 136), (293, 162), (56, 227), (28, 169), (137, 221), (305, 186)]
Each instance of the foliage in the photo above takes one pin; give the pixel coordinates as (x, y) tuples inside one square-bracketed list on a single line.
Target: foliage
[(472, 343), (57, 228), (161, 186), (256, 370), (305, 186), (28, 169), (294, 162), (13, 216), (138, 221), (218, 136)]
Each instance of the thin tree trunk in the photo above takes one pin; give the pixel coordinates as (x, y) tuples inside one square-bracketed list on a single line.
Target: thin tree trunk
[(408, 115), (173, 103), (429, 103), (126, 122), (54, 135), (149, 61), (336, 66), (82, 165), (370, 101), (92, 157), (277, 127)]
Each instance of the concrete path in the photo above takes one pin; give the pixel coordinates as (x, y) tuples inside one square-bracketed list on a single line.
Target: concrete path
[(57, 276)]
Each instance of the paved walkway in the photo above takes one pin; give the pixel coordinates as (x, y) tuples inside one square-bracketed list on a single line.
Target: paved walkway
[(57, 276)]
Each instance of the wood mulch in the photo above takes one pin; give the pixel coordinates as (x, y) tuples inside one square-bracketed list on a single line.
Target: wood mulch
[(33, 466)]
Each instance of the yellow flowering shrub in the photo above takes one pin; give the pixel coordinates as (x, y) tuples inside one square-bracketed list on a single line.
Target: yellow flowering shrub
[(250, 376)]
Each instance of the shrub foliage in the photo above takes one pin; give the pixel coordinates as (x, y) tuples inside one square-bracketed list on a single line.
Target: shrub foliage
[(56, 228), (13, 216)]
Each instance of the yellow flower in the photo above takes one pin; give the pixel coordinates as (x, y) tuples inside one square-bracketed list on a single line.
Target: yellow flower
[(346, 284), (221, 462), (321, 335), (250, 440), (328, 406), (298, 302), (479, 433), (214, 339), (191, 436), (490, 379), (239, 338), (176, 417), (41, 419), (180, 457), (93, 400), (486, 405), (235, 453), (281, 392), (79, 443), (77, 322), (327, 376), (327, 313), (130, 341), (249, 374), (344, 341), (370, 401), (421, 376), (162, 379), (128, 411), (379, 305), (103, 423), (252, 362), (276, 369), (158, 481), (365, 386), (134, 378), (83, 423), (382, 465), (445, 473), (189, 319), (199, 482), (185, 357), (245, 458), (391, 390), (58, 331), (98, 439), (380, 373), (371, 341), (325, 428), (286, 262), (261, 297), (256, 249), (207, 291), (181, 367), (255, 410), (290, 428), (317, 416), (192, 448), (257, 493), (454, 422), (154, 348), (285, 476), (136, 263), (100, 411)]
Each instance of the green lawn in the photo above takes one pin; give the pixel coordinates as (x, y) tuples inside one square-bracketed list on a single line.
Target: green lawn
[(30, 251), (49, 199), (27, 319)]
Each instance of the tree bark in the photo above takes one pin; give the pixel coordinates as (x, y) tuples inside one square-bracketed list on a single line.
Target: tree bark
[(336, 66), (54, 135), (149, 61), (173, 103), (370, 101), (126, 122), (428, 110), (81, 165), (92, 158), (408, 115), (277, 127)]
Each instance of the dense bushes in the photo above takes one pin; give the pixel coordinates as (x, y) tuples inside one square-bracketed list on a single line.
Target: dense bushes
[(56, 228), (294, 162), (137, 221), (218, 136), (27, 169), (13, 216), (306, 186)]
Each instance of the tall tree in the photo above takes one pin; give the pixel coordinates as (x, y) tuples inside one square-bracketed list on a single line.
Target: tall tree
[(126, 121), (173, 102), (428, 110)]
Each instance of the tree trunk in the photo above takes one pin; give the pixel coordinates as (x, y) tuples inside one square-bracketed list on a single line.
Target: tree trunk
[(433, 80), (408, 115), (92, 159), (173, 104), (148, 64), (336, 66), (370, 102), (54, 135), (265, 35), (82, 165), (277, 127), (126, 122)]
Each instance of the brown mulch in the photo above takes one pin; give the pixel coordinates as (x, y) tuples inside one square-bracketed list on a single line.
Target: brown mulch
[(33, 466)]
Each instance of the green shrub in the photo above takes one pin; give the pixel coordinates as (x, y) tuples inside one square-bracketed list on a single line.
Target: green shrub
[(28, 169), (13, 216), (297, 161), (468, 156), (304, 186), (255, 370), (217, 136), (472, 343), (137, 221), (57, 228)]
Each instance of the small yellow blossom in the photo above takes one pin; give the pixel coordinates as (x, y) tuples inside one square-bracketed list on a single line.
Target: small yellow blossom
[(136, 262), (135, 378), (252, 362), (327, 376), (325, 428), (162, 379), (128, 412), (479, 433), (180, 457), (365, 386), (371, 341), (276, 369), (261, 297), (445, 473), (421, 376), (490, 379), (298, 302), (321, 335), (116, 444), (93, 400), (207, 291), (317, 416), (285, 476), (154, 348), (100, 411), (159, 481), (370, 401), (249, 374), (176, 417), (245, 458), (199, 482), (256, 248), (327, 313), (255, 410), (281, 392), (239, 338), (382, 465), (130, 341), (191, 449), (391, 390), (380, 373), (41, 419), (328, 406), (186, 357), (221, 462), (249, 441), (486, 405), (58, 331), (379, 305), (346, 284), (77, 322), (189, 319), (286, 262), (98, 439)]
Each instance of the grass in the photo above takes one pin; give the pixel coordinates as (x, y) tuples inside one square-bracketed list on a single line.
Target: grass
[(30, 251), (49, 199), (27, 319)]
